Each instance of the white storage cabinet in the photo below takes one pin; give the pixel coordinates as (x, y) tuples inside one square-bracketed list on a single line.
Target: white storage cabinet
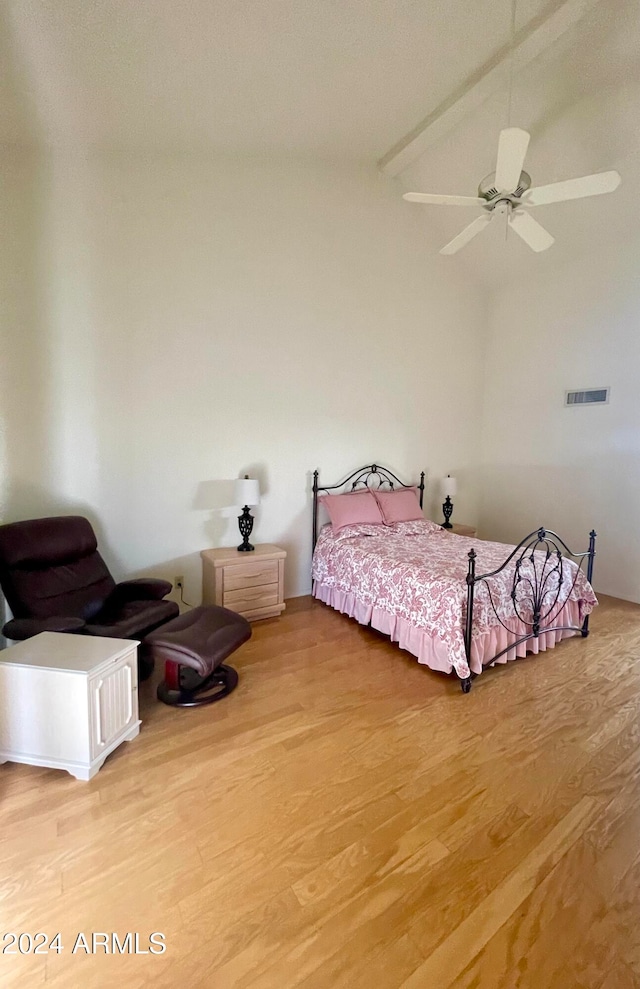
[(67, 701)]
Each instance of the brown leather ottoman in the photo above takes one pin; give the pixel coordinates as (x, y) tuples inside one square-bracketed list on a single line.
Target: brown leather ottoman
[(193, 648)]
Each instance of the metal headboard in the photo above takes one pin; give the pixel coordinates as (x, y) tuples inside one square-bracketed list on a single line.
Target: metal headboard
[(367, 477)]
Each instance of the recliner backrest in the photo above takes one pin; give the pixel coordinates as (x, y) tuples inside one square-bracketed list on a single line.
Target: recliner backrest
[(52, 567)]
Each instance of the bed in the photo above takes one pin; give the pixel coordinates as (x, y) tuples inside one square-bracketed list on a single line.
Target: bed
[(458, 604)]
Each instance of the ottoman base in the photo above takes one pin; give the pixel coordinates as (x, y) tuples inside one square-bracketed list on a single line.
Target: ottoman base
[(183, 688)]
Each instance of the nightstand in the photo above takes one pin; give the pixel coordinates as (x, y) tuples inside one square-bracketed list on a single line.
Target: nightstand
[(463, 530), (252, 584)]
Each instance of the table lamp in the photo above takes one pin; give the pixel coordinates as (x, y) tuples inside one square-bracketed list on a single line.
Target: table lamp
[(449, 488), (247, 493)]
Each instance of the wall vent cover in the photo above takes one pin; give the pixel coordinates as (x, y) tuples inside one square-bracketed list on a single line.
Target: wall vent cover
[(587, 396)]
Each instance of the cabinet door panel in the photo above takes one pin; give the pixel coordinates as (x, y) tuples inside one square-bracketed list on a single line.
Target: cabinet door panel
[(113, 702)]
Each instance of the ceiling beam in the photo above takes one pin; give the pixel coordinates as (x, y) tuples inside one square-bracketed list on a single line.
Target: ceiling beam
[(532, 39)]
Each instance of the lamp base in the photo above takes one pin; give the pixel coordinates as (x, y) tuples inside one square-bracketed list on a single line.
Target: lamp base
[(245, 524), (447, 511)]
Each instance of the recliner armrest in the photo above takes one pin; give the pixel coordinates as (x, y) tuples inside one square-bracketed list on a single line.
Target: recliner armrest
[(24, 628), (142, 589)]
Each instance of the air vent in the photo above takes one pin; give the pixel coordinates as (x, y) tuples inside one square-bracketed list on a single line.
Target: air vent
[(588, 396)]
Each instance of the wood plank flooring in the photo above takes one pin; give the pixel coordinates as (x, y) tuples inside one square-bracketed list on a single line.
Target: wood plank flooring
[(349, 819)]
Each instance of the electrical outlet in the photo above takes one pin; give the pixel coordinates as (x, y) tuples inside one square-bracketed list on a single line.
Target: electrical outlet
[(178, 582)]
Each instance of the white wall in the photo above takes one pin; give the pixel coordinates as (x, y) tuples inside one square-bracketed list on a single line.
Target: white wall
[(571, 469), (172, 323)]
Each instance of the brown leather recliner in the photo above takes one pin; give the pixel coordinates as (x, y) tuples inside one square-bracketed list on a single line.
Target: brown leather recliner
[(55, 580)]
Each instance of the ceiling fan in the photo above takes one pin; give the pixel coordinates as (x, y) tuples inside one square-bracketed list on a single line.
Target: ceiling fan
[(507, 191)]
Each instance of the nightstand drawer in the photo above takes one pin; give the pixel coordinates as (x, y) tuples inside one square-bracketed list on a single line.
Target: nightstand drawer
[(250, 575), (250, 598)]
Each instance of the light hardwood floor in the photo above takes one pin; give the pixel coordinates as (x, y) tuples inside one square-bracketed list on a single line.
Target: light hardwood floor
[(349, 819)]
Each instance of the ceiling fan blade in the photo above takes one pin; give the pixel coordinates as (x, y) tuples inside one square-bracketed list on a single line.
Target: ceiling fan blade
[(467, 234), (531, 231), (512, 148), (558, 192), (432, 198)]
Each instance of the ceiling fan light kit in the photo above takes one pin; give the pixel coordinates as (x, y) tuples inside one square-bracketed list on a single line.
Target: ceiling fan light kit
[(507, 191)]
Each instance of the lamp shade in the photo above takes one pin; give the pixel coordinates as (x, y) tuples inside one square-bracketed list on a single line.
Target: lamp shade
[(247, 491), (449, 486)]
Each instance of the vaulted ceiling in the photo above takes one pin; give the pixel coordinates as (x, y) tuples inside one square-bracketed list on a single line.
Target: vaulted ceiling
[(344, 78), (580, 100), (418, 85)]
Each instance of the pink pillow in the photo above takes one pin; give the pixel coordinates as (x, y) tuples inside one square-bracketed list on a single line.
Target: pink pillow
[(352, 509), (399, 506)]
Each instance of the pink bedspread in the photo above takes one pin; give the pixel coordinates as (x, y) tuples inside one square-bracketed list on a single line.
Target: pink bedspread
[(408, 581)]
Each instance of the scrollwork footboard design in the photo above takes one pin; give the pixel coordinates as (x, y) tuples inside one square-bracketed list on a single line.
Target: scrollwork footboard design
[(542, 572)]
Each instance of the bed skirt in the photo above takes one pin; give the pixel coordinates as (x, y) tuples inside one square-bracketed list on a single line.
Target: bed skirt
[(434, 652)]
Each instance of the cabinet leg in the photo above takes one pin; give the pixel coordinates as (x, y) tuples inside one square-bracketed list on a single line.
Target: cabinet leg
[(86, 774)]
